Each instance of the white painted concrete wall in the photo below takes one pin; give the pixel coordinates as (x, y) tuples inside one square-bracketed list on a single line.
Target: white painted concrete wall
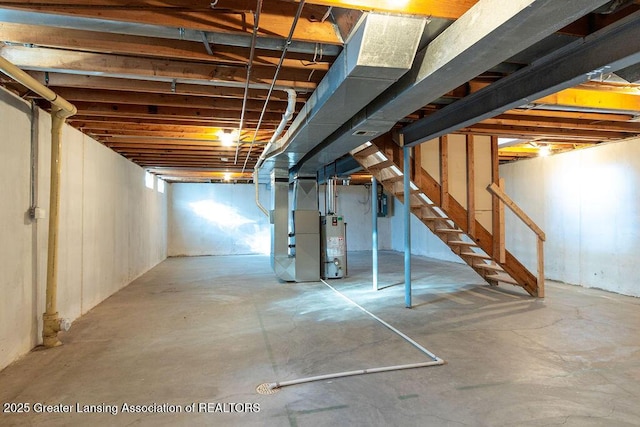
[(354, 204), (217, 219), (223, 219), (423, 241), (112, 228), (588, 203)]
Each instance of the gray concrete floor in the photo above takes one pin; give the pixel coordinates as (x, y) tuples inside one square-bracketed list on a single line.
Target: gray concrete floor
[(211, 329)]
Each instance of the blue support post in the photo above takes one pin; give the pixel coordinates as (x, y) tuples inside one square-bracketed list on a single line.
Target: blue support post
[(374, 232), (407, 225)]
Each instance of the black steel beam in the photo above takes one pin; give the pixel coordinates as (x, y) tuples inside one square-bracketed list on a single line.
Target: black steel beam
[(342, 167), (608, 50)]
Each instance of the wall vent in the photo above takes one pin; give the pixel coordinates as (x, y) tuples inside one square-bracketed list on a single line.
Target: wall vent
[(366, 133)]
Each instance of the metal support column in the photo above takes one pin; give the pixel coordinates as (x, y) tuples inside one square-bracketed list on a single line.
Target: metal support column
[(407, 225), (374, 232)]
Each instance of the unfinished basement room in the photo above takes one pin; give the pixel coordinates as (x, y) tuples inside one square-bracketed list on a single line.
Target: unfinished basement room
[(320, 213)]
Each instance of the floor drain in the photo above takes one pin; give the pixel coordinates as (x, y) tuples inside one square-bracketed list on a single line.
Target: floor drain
[(265, 389)]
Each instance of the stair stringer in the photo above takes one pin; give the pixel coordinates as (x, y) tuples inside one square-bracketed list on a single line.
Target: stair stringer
[(389, 174)]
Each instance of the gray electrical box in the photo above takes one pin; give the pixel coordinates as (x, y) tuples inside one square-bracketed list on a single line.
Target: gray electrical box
[(334, 247)]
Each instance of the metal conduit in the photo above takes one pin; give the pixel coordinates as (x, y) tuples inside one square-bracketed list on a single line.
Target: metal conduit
[(254, 35), (273, 82), (60, 110)]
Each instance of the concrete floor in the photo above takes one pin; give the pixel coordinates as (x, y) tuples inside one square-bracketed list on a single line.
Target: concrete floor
[(211, 329)]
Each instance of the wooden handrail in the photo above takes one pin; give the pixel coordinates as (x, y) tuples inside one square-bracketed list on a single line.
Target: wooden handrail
[(497, 191)]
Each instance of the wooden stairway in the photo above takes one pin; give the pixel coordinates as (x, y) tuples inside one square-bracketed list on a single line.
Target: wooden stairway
[(446, 218)]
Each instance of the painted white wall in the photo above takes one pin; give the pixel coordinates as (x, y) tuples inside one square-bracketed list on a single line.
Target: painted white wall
[(587, 202), (423, 241), (354, 204), (217, 219), (112, 228), (223, 219)]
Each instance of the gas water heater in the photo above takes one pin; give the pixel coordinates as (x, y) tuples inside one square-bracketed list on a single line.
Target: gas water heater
[(334, 247)]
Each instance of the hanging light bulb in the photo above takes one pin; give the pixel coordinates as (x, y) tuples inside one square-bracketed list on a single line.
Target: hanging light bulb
[(544, 151), (227, 137)]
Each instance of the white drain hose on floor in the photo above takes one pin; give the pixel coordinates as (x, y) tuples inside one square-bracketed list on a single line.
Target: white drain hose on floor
[(434, 362)]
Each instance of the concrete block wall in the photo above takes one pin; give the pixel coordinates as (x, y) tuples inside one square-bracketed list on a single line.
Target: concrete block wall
[(112, 227)]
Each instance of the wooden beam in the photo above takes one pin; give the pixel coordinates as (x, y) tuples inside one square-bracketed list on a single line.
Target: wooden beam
[(447, 9), (444, 172), (471, 183), (202, 102), (138, 111), (42, 59), (564, 123), (146, 86), (592, 117), (592, 99), (532, 131), (275, 18), (109, 43), (497, 219), (417, 164), (502, 236)]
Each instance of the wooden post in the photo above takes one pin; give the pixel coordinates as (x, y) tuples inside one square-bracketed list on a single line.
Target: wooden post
[(444, 173), (540, 250), (417, 165), (471, 188), (502, 253), (495, 202)]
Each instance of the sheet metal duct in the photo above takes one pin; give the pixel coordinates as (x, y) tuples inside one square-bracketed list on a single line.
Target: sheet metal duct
[(380, 50), (491, 32)]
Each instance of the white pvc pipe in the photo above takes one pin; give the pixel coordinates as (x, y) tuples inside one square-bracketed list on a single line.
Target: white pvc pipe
[(435, 362), (288, 114), (255, 182), (401, 334), (352, 373)]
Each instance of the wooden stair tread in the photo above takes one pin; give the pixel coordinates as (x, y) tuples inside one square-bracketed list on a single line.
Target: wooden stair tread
[(392, 179), (448, 230), (485, 266), (502, 278), (367, 151), (435, 218), (381, 165), (460, 243), (401, 192), (475, 255)]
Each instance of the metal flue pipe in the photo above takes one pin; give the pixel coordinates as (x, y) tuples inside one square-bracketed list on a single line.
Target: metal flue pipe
[(60, 110)]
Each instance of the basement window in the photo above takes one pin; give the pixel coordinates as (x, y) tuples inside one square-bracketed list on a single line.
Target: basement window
[(148, 180), (160, 185)]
